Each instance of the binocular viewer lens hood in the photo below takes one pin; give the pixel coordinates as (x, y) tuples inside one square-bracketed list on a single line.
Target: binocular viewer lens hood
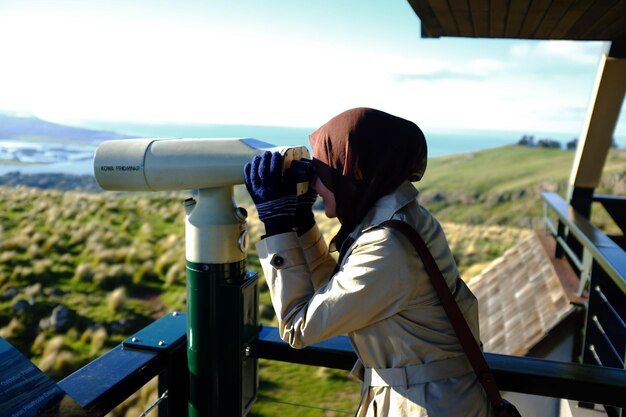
[(185, 164)]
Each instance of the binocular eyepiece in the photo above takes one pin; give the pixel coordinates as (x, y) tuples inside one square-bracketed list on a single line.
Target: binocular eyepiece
[(301, 171)]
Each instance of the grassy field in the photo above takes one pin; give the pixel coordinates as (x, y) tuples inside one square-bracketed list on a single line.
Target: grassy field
[(503, 185), (80, 272)]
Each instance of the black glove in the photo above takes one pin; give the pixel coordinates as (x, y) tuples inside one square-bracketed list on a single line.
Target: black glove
[(304, 211), (274, 197)]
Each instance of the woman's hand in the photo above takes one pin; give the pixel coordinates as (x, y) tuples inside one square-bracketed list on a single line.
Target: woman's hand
[(274, 197), (304, 211)]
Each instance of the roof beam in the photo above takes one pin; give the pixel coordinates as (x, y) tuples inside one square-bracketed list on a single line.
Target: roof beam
[(609, 18), (534, 16), (553, 16), (577, 10), (479, 9), (461, 10), (430, 25), (602, 116), (591, 15), (498, 16), (446, 18), (516, 17)]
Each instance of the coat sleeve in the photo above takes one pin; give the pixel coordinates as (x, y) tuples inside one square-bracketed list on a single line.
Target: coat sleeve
[(317, 257), (373, 284)]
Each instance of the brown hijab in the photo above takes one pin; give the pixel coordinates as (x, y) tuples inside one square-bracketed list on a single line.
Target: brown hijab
[(363, 154)]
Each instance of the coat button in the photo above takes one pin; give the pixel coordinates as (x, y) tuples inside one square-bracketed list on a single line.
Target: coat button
[(277, 261)]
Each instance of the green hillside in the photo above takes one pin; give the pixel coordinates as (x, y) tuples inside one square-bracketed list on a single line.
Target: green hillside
[(503, 185), (79, 272)]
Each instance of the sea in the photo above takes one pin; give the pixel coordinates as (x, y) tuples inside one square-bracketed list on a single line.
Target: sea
[(77, 158)]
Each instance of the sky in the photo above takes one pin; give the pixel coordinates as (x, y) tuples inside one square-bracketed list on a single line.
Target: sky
[(280, 62)]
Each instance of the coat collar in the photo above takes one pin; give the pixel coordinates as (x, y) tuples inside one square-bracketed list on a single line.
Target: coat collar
[(386, 207)]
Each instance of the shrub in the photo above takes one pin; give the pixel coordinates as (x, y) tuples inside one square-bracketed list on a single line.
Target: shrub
[(139, 252), (16, 243), (98, 339), (7, 256), (53, 346), (165, 262), (116, 299), (38, 345), (145, 273), (72, 334), (170, 242), (146, 232), (85, 337), (42, 267), (110, 277), (549, 144), (59, 363), (111, 256), (83, 273), (14, 329), (33, 290), (175, 275), (21, 273), (34, 251), (54, 244)]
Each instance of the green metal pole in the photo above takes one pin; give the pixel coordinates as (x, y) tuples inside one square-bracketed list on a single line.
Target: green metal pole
[(216, 241), (201, 343)]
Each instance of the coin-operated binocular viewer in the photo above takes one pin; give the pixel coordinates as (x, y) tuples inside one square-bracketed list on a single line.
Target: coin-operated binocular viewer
[(222, 297)]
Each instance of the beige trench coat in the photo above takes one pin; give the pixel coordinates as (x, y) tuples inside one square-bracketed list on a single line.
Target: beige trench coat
[(410, 360)]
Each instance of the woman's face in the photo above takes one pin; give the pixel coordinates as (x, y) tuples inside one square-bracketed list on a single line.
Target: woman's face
[(330, 205)]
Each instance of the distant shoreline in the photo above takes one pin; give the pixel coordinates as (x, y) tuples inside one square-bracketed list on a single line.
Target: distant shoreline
[(73, 159)]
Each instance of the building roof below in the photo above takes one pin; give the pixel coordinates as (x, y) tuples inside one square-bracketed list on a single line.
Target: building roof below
[(521, 298)]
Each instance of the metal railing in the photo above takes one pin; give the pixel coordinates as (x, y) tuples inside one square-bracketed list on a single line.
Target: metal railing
[(106, 382), (601, 263)]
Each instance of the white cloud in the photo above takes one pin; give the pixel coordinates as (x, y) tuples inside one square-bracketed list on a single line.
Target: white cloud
[(517, 102), (485, 66), (580, 52), (70, 68), (520, 50)]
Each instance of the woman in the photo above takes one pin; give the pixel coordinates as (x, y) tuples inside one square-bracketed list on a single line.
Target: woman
[(410, 360)]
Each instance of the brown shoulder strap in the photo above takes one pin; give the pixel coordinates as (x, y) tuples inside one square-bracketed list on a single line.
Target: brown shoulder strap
[(463, 332)]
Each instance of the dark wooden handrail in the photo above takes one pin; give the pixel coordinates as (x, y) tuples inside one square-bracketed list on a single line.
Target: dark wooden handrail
[(101, 385), (106, 382), (616, 207), (586, 383), (607, 253)]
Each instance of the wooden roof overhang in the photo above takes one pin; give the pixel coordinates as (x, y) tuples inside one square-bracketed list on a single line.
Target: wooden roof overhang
[(523, 19), (578, 20)]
